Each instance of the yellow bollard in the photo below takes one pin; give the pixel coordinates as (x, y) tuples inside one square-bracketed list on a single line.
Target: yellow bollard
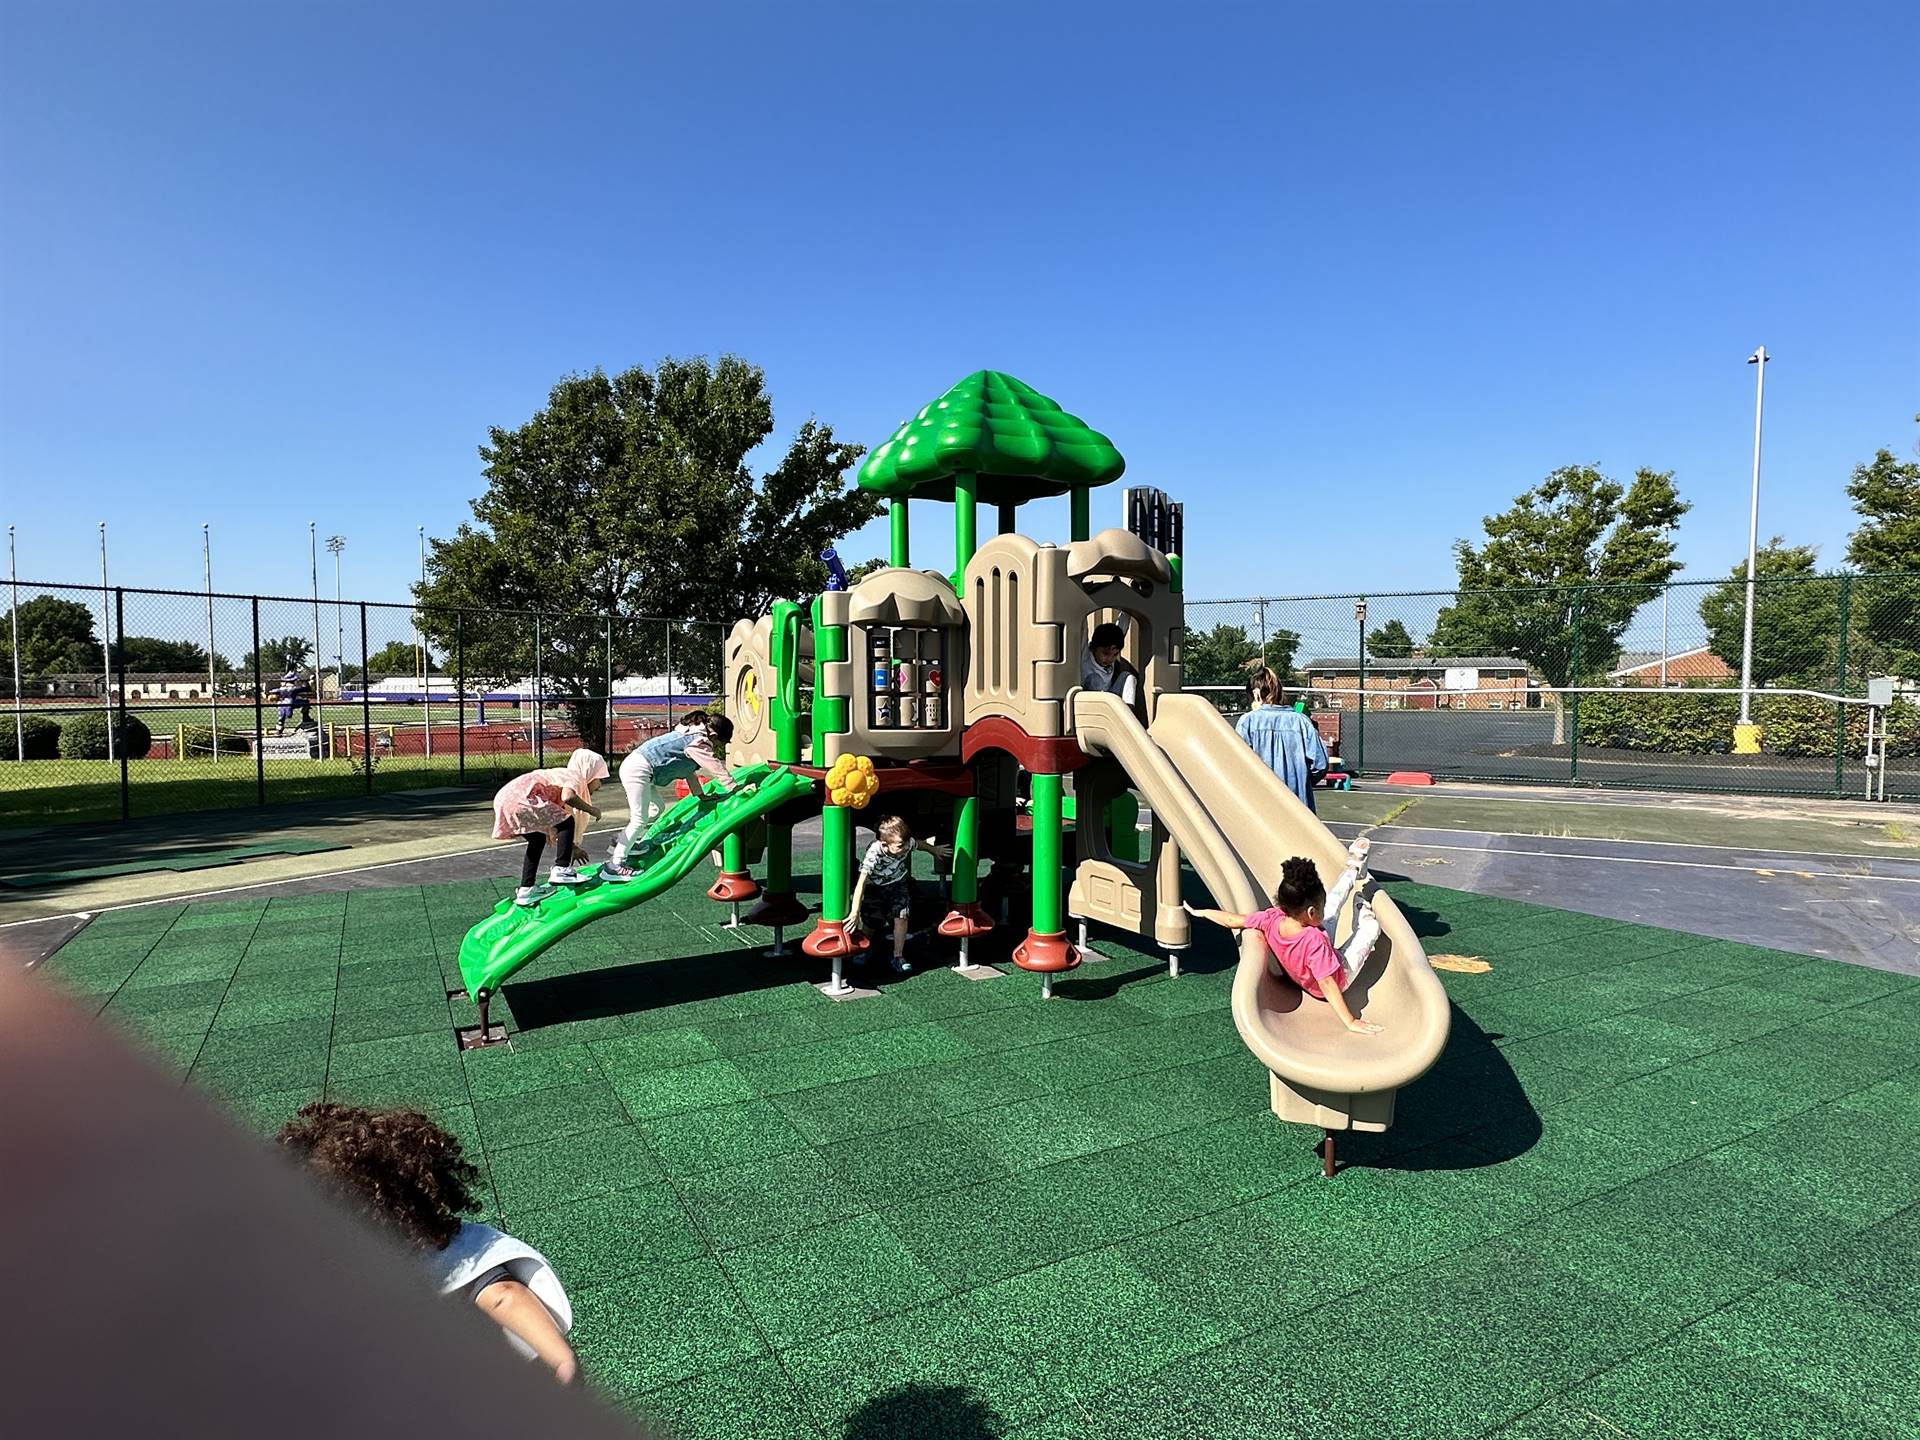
[(1746, 739)]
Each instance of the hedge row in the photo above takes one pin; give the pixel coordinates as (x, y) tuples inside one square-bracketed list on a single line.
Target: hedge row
[(84, 737), (1790, 725), (38, 736)]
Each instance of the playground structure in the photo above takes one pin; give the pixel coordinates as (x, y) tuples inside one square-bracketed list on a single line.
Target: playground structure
[(939, 696)]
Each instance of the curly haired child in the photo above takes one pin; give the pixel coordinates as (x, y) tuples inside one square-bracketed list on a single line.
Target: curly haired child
[(1296, 945), (409, 1177)]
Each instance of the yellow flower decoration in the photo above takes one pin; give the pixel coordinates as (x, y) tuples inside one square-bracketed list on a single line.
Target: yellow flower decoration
[(852, 782)]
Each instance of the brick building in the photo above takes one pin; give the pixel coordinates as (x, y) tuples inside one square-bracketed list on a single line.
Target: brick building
[(1421, 682), (1689, 667)]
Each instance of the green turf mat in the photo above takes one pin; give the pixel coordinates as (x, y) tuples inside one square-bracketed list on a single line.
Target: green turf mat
[(191, 860)]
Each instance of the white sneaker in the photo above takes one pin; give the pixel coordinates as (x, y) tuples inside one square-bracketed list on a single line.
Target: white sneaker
[(564, 875), (530, 895)]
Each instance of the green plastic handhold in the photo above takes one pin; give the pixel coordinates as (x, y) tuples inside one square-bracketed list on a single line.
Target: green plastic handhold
[(1020, 444)]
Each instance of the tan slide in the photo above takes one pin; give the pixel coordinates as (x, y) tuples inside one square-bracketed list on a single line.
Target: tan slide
[(1237, 822)]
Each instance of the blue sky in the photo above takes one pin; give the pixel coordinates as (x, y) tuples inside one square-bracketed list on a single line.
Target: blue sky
[(1343, 278)]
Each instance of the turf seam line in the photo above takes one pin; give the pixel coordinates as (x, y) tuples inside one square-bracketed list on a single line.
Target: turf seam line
[(214, 1019)]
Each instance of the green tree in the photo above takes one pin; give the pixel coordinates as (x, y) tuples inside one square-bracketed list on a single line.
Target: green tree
[(1886, 601), (1796, 616), (149, 656), (631, 495), (56, 638), (1576, 532), (1220, 656), (398, 657), (289, 652), (1391, 641)]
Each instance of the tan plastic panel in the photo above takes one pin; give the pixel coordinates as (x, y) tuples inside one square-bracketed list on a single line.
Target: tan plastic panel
[(891, 597), (749, 654), (1237, 822)]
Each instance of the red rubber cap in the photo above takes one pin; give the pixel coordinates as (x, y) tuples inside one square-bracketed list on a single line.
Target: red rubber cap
[(1409, 777)]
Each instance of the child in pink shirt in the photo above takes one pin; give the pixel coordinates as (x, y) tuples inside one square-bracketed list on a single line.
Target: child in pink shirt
[(1296, 945)]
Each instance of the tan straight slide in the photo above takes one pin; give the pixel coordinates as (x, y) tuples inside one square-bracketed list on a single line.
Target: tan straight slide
[(1237, 822)]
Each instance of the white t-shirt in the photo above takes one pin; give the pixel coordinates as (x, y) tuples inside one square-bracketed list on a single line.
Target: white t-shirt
[(476, 1251)]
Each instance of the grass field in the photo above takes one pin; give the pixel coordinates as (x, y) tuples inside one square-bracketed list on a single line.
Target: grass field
[(36, 792), (39, 792)]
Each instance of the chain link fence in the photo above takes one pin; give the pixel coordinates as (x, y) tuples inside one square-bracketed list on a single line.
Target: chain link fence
[(1625, 686), (134, 702)]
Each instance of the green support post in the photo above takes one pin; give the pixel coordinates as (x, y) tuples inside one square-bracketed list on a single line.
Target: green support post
[(899, 550), (836, 863), (1081, 499), (1840, 688), (966, 850), (830, 712), (783, 706), (1175, 564), (733, 854), (1047, 824), (966, 489)]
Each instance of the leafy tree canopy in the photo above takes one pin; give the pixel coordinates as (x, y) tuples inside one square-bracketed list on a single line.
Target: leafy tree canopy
[(1886, 601), (1219, 656), (149, 656), (397, 657), (289, 652), (630, 495), (1576, 528), (1796, 617), (1392, 641), (56, 638), (1886, 493)]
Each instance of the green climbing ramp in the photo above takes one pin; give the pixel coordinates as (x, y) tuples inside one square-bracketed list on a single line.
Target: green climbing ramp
[(514, 934)]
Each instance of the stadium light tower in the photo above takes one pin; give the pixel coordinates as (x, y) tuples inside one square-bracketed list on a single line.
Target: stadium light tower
[(335, 544)]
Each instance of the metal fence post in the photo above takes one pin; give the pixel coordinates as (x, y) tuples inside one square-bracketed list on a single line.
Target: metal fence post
[(1360, 623), (607, 739), (120, 672), (366, 703), (1840, 688), (259, 715), (669, 625), (460, 684), (539, 710), (1573, 673)]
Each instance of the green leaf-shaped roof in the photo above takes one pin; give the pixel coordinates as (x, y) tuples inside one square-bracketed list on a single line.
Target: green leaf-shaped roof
[(1019, 443)]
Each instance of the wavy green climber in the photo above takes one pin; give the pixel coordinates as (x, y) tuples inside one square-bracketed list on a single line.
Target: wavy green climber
[(1019, 443)]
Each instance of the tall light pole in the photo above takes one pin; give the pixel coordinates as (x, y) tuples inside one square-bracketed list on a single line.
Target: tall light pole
[(335, 544), (319, 693), (1746, 735)]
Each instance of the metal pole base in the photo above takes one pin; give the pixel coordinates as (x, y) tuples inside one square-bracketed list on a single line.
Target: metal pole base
[(1173, 964), (838, 989), (1327, 1165), (779, 941), (734, 923), (1046, 985)]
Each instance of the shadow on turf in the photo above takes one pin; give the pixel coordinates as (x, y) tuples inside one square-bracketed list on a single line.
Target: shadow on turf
[(926, 1412), (1468, 1112), (636, 989)]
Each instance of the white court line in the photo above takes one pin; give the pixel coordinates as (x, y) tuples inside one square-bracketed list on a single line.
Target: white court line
[(1643, 860), (1610, 840), (265, 884)]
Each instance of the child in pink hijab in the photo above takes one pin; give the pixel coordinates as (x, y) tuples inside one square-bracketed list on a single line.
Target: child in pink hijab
[(541, 806)]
